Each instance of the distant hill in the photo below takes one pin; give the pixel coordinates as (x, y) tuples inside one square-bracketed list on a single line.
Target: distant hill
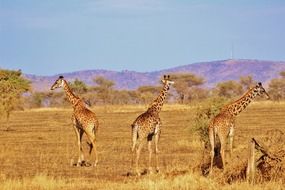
[(213, 72)]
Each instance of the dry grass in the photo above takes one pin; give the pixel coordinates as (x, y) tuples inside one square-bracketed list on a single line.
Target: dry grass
[(37, 150)]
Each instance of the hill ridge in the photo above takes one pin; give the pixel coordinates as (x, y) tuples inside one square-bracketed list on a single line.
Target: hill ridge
[(212, 71)]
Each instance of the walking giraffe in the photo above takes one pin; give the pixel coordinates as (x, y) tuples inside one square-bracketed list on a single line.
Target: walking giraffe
[(223, 124), (147, 126), (83, 119)]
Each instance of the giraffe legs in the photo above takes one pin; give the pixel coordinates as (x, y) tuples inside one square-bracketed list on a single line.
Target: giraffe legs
[(231, 138), (134, 136), (134, 142), (137, 145), (138, 152), (222, 151), (212, 143), (79, 133), (133, 154), (95, 153), (93, 148), (156, 139), (149, 156)]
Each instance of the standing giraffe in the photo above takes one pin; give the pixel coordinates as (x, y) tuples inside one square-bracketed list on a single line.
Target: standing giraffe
[(223, 124), (147, 125), (84, 120)]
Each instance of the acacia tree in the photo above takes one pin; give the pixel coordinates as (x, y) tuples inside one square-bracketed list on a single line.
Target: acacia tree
[(12, 86), (104, 89), (228, 89), (185, 83), (282, 74), (78, 86), (277, 87), (247, 82), (36, 99), (198, 93), (146, 93), (123, 97)]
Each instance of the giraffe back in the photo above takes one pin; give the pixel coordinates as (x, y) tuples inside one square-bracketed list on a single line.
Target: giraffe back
[(222, 123), (84, 116), (147, 122)]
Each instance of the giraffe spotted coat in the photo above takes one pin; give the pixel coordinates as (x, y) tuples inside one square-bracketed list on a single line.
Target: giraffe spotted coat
[(83, 119), (147, 126), (222, 125)]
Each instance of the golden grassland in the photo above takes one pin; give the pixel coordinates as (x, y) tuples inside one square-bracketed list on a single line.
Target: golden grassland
[(36, 151)]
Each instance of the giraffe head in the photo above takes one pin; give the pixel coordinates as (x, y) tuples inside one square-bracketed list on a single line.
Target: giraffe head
[(259, 90), (58, 83), (166, 81)]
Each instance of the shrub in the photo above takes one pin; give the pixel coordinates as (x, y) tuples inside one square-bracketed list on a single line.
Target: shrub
[(205, 113)]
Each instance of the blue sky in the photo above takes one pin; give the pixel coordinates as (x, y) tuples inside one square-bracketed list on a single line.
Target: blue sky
[(56, 36)]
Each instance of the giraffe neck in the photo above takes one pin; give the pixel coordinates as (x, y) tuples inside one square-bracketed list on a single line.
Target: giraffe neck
[(239, 105), (158, 102), (69, 94)]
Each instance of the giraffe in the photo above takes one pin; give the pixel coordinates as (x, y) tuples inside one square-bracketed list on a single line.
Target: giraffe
[(147, 126), (223, 124), (83, 119)]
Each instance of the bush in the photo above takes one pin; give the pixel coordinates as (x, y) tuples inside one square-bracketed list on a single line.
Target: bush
[(205, 113)]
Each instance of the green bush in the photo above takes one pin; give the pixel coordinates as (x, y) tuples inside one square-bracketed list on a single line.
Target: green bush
[(204, 114)]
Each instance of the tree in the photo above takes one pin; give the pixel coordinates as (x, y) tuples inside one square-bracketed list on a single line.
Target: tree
[(104, 89), (57, 99), (80, 89), (183, 84), (36, 99), (147, 94), (198, 93), (78, 86), (228, 89), (124, 97), (277, 87), (12, 86), (282, 74), (247, 82)]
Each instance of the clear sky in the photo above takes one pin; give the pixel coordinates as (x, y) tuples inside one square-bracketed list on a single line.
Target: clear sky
[(54, 36)]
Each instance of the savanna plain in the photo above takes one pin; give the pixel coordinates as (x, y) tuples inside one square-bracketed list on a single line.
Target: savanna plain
[(39, 147)]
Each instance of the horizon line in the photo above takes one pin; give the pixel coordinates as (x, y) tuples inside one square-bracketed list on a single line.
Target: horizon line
[(126, 70)]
